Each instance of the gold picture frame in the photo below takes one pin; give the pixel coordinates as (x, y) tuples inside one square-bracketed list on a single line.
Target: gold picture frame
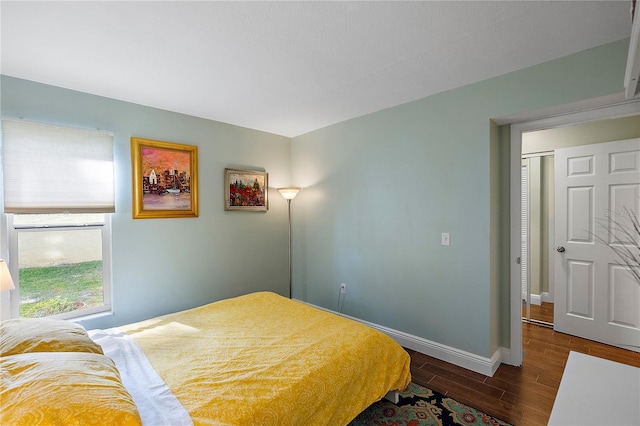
[(246, 190), (165, 179)]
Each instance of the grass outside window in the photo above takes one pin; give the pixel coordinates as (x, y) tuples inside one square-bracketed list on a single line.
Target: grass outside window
[(53, 290)]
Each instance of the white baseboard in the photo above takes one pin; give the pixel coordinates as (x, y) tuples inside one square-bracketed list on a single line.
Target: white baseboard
[(506, 356), (537, 299), (473, 362)]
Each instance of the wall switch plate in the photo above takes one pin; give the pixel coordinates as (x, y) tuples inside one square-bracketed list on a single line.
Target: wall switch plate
[(446, 239)]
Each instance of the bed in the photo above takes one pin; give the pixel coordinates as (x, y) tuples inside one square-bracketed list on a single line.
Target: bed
[(258, 359)]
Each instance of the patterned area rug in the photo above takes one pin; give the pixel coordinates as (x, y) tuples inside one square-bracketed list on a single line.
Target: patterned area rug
[(420, 406)]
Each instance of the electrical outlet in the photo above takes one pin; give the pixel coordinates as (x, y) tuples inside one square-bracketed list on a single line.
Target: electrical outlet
[(343, 288)]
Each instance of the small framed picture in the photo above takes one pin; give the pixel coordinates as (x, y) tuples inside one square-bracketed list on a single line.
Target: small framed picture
[(165, 179), (246, 190)]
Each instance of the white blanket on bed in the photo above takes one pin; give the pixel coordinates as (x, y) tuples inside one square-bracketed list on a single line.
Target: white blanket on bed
[(156, 403)]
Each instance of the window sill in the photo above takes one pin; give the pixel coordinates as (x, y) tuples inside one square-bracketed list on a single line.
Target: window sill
[(90, 317)]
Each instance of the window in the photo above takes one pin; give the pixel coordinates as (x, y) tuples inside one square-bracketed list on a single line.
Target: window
[(62, 264), (58, 191)]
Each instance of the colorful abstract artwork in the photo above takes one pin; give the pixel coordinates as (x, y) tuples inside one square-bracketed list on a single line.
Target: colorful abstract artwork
[(246, 190), (164, 179)]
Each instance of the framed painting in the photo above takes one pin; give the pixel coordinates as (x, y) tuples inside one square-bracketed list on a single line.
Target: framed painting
[(246, 190), (165, 179)]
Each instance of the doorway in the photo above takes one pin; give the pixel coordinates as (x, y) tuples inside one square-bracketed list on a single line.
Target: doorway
[(598, 117), (539, 184)]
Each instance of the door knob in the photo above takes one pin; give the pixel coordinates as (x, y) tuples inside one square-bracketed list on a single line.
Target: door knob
[(560, 249)]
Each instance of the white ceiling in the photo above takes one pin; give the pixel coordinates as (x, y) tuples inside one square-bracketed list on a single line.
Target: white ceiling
[(291, 67)]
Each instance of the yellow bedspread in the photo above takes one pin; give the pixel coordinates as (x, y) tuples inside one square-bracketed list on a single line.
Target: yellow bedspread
[(63, 388), (262, 359)]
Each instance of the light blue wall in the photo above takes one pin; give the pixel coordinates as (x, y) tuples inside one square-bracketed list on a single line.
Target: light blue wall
[(380, 190), (164, 265)]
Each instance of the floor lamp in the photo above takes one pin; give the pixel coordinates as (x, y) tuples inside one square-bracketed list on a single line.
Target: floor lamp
[(6, 283), (289, 194)]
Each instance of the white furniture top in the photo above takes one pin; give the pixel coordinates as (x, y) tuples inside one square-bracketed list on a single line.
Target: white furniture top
[(596, 391)]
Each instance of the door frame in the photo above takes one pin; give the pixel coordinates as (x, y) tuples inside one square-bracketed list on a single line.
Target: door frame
[(620, 110)]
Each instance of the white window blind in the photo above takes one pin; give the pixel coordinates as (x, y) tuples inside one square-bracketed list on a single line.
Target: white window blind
[(53, 169)]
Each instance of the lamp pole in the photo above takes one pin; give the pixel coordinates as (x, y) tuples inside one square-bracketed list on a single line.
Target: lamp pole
[(289, 194), (290, 243)]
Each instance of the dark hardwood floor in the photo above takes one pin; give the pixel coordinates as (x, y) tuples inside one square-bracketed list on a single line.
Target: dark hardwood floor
[(518, 395), (542, 312)]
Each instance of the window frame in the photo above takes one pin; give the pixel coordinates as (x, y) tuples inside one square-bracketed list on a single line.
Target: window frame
[(13, 231)]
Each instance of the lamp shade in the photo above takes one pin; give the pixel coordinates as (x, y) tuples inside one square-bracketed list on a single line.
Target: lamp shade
[(6, 283), (289, 193)]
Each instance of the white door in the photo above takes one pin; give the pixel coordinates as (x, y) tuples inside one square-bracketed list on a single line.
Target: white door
[(596, 296)]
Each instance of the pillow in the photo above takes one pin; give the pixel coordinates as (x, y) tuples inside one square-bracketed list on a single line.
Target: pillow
[(64, 388), (44, 335)]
